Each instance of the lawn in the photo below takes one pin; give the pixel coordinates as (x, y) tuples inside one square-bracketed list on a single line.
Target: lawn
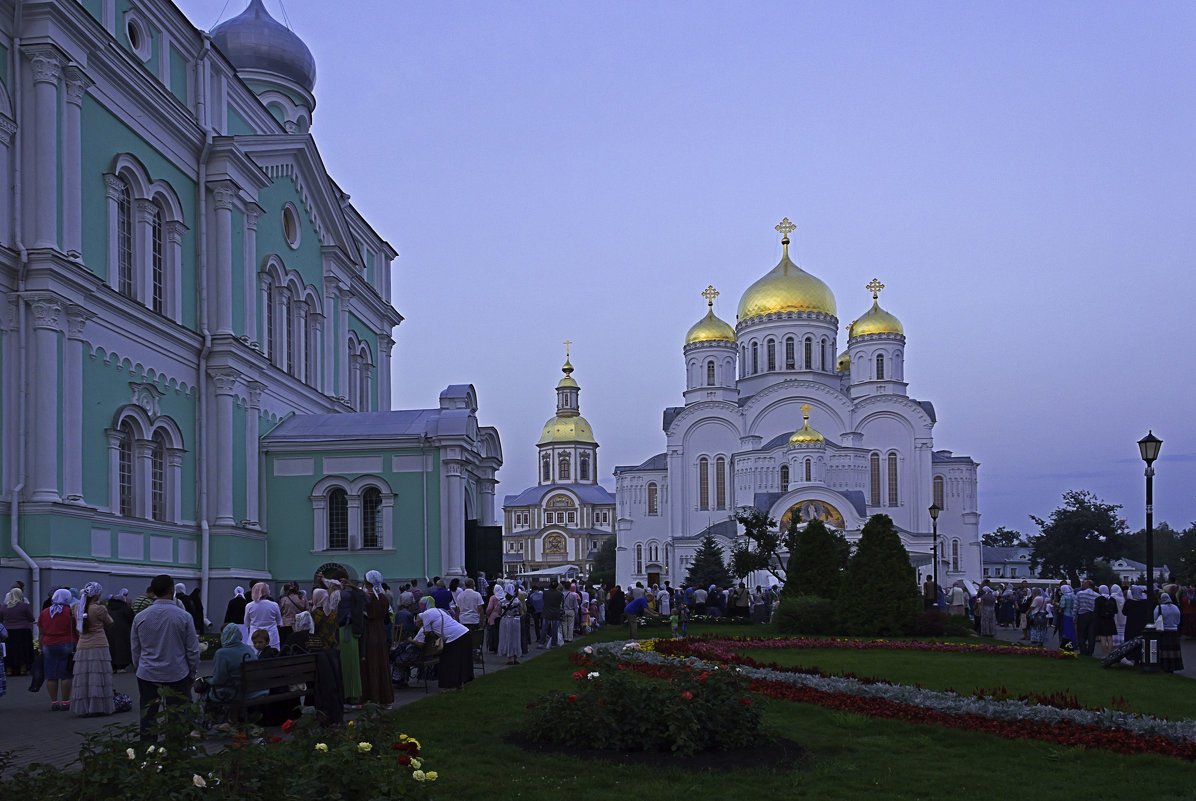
[(847, 755)]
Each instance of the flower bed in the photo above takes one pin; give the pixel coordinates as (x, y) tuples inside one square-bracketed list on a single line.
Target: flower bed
[(723, 648), (1112, 730)]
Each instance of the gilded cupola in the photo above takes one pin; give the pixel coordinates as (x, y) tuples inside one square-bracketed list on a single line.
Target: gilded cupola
[(876, 320), (567, 425), (710, 328), (786, 288), (806, 435)]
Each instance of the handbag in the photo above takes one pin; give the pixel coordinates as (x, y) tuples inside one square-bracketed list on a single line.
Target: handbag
[(434, 643)]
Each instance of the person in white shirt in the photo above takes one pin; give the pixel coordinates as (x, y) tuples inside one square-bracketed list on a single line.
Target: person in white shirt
[(469, 606), (662, 603)]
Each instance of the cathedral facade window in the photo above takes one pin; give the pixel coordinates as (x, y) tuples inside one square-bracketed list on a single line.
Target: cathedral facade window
[(639, 558), (808, 353), (583, 467), (338, 519), (720, 483), (825, 364), (880, 367), (145, 466), (546, 469), (563, 471), (939, 499), (809, 470), (784, 478), (653, 498), (371, 513), (352, 515), (772, 355), (755, 358), (790, 362), (874, 479), (290, 315), (893, 494), (710, 373), (703, 483)]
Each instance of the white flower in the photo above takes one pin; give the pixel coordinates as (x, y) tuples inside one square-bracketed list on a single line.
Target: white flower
[(131, 754), (364, 747), (321, 747), (589, 649), (151, 749), (418, 776), (592, 675), (198, 781)]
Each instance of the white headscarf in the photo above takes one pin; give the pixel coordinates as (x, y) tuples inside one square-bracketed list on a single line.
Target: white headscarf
[(374, 579), (60, 598), (239, 592), (499, 592), (91, 589), (1104, 590)]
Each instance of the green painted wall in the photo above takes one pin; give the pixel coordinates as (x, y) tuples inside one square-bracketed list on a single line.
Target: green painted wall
[(307, 259), (237, 126), (4, 67), (178, 74), (96, 9), (106, 138), (259, 87)]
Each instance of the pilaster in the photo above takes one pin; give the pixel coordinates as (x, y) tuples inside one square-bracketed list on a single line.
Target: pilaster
[(252, 213), (252, 473), (46, 65), (47, 311), (72, 403), (225, 381), (223, 194), (77, 83)]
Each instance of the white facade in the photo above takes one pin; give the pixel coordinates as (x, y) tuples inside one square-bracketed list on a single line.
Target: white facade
[(773, 420)]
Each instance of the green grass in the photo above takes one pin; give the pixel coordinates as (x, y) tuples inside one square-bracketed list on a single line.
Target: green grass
[(848, 756)]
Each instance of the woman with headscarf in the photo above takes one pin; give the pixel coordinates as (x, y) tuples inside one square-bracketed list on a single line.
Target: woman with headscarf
[(456, 660), (350, 618), (323, 616), (303, 639), (262, 613), (1118, 597), (1137, 612), (91, 690), (1067, 618), (235, 612), (226, 665), (1171, 656), (120, 634), (988, 613), (375, 675), (510, 609), (1036, 618), (1105, 609), (16, 615), (56, 627), (289, 605)]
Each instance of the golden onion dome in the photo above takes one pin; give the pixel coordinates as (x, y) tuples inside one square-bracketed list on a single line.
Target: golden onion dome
[(710, 328), (785, 288), (876, 320), (843, 363), (567, 429), (806, 435)]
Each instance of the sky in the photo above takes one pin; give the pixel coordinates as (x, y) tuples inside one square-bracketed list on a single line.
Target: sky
[(1021, 177)]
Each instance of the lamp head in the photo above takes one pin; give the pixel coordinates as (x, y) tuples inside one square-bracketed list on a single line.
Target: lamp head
[(1149, 446), (934, 511)]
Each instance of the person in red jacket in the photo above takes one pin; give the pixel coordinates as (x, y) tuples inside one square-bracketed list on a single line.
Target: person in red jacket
[(56, 628)]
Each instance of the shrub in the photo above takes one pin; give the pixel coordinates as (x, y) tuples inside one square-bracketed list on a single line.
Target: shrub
[(805, 614), (613, 708), (959, 626), (880, 594), (818, 561), (931, 623)]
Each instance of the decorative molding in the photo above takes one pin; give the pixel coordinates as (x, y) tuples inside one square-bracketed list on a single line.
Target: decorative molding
[(114, 185), (252, 213), (255, 389), (47, 309), (287, 169), (47, 63), (77, 84), (223, 193), (76, 318), (225, 380), (146, 396), (174, 231)]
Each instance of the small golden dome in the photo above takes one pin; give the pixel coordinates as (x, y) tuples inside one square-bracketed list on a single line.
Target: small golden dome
[(806, 435), (843, 364), (567, 429), (876, 320), (710, 329)]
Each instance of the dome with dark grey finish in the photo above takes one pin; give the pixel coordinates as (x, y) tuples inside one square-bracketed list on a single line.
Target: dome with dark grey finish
[(256, 41)]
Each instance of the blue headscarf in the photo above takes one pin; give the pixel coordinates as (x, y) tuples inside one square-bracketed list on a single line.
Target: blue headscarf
[(59, 599)]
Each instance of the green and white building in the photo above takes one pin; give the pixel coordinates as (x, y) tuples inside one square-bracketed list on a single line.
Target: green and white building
[(197, 323)]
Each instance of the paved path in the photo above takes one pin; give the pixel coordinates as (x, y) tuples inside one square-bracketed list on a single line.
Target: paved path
[(33, 733), (1188, 645)]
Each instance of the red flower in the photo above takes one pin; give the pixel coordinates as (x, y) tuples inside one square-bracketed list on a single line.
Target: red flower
[(572, 698), (687, 695), (396, 746), (276, 739), (287, 726), (745, 701), (578, 674), (240, 737), (404, 760)]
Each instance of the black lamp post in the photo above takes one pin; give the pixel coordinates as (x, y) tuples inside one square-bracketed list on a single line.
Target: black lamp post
[(934, 522), (1149, 446)]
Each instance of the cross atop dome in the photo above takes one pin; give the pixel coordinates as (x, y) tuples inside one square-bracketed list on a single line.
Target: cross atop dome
[(785, 228), (710, 293), (874, 286)]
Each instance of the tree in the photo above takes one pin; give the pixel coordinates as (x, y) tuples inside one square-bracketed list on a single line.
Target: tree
[(764, 547), (1004, 538), (1081, 531), (818, 560), (879, 593), (707, 566), (603, 571)]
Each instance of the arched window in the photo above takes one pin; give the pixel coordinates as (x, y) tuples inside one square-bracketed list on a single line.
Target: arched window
[(125, 458), (704, 483), (268, 332), (583, 467), (338, 518), (157, 260), (288, 324), (639, 558), (371, 513), (939, 500), (546, 470), (743, 361), (720, 482), (653, 499), (126, 279), (772, 355), (158, 477), (825, 364), (755, 358), (874, 480), (789, 357), (808, 353), (955, 556), (809, 470), (893, 479), (784, 478), (563, 467), (311, 349), (880, 367), (710, 373)]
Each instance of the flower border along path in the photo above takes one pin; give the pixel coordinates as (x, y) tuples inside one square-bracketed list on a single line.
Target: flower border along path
[(1106, 729)]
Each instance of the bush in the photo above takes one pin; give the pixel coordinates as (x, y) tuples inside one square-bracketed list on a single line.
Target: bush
[(616, 709), (805, 614), (818, 560), (890, 599), (931, 623), (959, 626)]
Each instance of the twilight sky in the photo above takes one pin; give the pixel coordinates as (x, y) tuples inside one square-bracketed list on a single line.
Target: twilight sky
[(1021, 176)]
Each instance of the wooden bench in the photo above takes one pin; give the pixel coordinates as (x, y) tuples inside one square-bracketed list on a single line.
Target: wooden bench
[(278, 674)]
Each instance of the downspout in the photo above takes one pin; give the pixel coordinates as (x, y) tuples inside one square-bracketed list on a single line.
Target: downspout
[(423, 455), (14, 500), (201, 416)]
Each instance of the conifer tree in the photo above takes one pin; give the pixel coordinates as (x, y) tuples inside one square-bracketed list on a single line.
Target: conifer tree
[(879, 594), (708, 566), (817, 563)]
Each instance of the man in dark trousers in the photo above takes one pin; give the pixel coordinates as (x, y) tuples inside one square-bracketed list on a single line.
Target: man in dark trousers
[(165, 653), (554, 611)]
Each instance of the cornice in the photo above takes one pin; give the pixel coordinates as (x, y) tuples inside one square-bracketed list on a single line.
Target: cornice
[(819, 317)]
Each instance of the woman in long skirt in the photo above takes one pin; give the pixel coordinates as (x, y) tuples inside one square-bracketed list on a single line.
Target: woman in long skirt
[(510, 610), (988, 613), (1171, 657), (1119, 618), (376, 682), (91, 692), (1036, 619), (456, 660)]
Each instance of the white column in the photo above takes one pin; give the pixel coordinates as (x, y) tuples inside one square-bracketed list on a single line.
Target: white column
[(319, 367), (172, 298), (43, 380), (262, 300), (332, 304), (72, 404), (114, 439), (281, 329), (112, 187), (385, 345), (300, 347), (143, 450), (174, 484), (342, 343), (77, 84), (225, 382), (355, 538), (252, 476), (252, 213), (7, 129), (46, 63), (143, 247), (223, 192), (486, 502), (453, 529)]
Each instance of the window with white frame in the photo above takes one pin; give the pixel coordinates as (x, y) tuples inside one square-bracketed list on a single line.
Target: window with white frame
[(352, 515), (720, 482), (639, 558), (145, 463), (653, 499), (371, 513)]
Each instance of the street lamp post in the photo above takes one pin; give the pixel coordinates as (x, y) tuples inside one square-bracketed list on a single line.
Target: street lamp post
[(1149, 446), (934, 522)]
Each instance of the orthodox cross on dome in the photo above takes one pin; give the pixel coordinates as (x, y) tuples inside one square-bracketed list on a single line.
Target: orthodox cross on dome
[(567, 368), (710, 293), (874, 286), (805, 410), (567, 343), (785, 227)]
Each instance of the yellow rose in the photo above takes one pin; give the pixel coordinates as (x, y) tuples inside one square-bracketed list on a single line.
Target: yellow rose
[(321, 747), (419, 776), (432, 775), (365, 748), (415, 763)]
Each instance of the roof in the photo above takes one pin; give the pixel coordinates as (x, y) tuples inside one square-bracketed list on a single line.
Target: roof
[(670, 414), (1002, 553), (928, 407), (586, 493), (658, 462), (374, 425), (946, 457), (727, 529)]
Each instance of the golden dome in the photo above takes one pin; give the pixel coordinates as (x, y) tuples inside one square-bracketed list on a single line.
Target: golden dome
[(567, 429), (843, 363), (710, 328), (786, 287), (876, 320), (806, 435)]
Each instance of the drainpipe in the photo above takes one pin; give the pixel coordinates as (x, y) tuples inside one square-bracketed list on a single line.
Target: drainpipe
[(14, 498), (423, 455), (201, 416)]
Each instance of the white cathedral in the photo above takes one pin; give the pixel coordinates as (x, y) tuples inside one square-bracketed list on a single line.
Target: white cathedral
[(774, 420)]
